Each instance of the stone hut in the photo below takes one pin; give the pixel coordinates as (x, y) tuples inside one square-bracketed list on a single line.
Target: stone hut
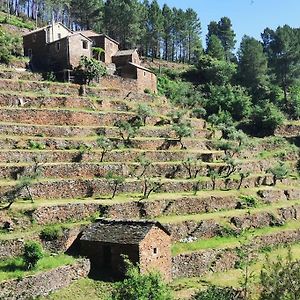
[(123, 57), (145, 78), (147, 243)]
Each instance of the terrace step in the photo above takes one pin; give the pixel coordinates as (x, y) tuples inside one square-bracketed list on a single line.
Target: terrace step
[(82, 188), (19, 142), (172, 170), (196, 259), (86, 131), (94, 155), (44, 100)]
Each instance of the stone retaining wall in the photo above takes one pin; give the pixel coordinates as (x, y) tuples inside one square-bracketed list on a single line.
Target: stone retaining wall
[(290, 130), (42, 284), (21, 156), (77, 131), (198, 263)]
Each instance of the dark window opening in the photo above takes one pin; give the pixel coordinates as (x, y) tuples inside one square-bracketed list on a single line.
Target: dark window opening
[(30, 53), (85, 45), (155, 250), (59, 36), (57, 47)]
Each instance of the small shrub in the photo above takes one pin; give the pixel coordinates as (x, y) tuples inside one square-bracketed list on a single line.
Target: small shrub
[(36, 145), (33, 252), (216, 293), (51, 233), (247, 201)]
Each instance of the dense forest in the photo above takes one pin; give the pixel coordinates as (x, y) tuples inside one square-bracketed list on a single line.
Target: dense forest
[(255, 87)]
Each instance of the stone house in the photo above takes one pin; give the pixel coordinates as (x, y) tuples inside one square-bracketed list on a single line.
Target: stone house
[(146, 80), (55, 48), (147, 243)]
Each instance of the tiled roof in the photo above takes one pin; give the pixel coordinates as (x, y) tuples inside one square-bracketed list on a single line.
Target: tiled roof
[(89, 33), (126, 232)]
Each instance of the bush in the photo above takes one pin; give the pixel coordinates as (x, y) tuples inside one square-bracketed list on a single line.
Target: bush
[(89, 69), (280, 280), (141, 286), (216, 293), (51, 233), (33, 252), (265, 118)]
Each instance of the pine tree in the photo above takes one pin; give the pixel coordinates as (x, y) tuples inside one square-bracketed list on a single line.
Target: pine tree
[(215, 48), (227, 36)]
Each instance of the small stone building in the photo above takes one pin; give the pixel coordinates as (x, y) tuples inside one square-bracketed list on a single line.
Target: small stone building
[(146, 79), (147, 243), (122, 58)]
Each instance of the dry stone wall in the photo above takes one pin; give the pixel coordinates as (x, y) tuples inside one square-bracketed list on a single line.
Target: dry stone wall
[(42, 284), (198, 263)]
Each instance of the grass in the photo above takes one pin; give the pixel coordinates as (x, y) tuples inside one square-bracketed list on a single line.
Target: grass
[(15, 21), (82, 289), (14, 268), (230, 241)]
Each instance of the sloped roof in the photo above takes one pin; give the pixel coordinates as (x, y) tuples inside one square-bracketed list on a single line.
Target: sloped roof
[(140, 67), (91, 33), (70, 36), (47, 26), (125, 52), (88, 33), (126, 232)]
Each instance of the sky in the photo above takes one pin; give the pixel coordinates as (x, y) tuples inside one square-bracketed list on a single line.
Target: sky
[(249, 17)]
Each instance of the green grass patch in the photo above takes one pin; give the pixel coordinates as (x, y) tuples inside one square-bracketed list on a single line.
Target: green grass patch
[(14, 268)]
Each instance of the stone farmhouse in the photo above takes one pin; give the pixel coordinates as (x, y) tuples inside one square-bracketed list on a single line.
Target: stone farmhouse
[(55, 48), (147, 243)]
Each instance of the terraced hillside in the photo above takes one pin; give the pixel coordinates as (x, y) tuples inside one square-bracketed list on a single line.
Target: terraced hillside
[(63, 156)]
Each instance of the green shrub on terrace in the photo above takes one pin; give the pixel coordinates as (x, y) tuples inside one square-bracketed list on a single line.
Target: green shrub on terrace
[(280, 279), (33, 252), (247, 201), (144, 111), (279, 172), (36, 145), (51, 233), (216, 293), (115, 181)]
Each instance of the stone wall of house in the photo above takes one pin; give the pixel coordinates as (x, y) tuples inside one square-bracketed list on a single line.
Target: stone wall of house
[(42, 284), (146, 81), (155, 253)]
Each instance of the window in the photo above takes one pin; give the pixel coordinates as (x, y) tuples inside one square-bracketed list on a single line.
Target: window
[(144, 74), (154, 250), (34, 37), (57, 46), (85, 45), (59, 36), (30, 53)]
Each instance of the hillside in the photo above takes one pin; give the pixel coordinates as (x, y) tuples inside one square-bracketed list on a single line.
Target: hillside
[(66, 160)]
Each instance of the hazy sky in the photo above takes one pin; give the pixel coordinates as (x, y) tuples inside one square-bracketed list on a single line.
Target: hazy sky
[(249, 17)]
